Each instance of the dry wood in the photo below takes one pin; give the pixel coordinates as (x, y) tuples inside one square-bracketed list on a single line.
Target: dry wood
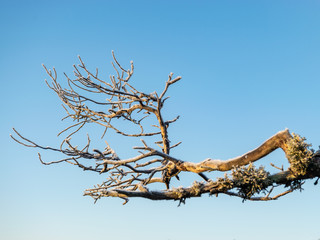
[(132, 177)]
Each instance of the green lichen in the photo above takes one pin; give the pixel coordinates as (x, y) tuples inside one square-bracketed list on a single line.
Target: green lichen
[(248, 180), (180, 192), (299, 155), (196, 188), (224, 184)]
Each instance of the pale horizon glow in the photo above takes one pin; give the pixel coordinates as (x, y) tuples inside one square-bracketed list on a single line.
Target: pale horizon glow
[(249, 69)]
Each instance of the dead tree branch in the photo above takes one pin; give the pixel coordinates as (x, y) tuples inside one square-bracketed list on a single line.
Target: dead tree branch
[(91, 100)]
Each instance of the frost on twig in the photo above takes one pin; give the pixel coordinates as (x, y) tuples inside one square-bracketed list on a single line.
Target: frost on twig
[(89, 99)]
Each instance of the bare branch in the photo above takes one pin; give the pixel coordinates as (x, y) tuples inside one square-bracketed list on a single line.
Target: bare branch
[(91, 100)]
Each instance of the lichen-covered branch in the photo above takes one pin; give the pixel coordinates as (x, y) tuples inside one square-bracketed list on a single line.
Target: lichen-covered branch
[(88, 99)]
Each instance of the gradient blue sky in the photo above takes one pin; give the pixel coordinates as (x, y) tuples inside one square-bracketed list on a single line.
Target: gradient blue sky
[(249, 68)]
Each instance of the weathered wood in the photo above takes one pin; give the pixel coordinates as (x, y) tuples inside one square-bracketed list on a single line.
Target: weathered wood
[(273, 143), (132, 177)]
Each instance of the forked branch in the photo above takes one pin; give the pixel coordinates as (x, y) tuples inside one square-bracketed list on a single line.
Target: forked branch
[(91, 100)]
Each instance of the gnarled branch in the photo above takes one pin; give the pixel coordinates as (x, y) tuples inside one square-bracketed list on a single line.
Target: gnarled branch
[(91, 100)]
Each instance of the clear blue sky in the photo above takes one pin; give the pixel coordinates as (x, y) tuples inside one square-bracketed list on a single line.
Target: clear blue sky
[(249, 68)]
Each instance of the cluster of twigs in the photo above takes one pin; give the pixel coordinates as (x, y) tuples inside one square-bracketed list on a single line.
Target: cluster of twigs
[(130, 177)]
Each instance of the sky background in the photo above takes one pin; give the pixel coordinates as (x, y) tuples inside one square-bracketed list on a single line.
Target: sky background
[(249, 68)]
